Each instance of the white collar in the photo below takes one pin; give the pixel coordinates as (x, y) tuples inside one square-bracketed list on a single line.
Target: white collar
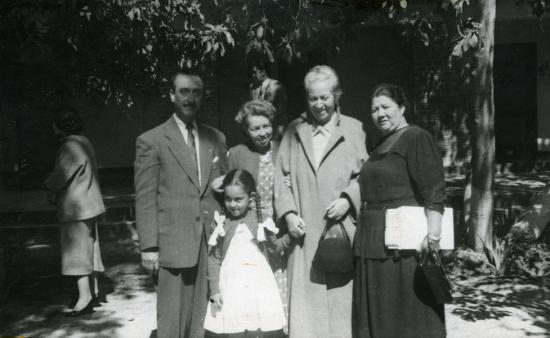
[(182, 124)]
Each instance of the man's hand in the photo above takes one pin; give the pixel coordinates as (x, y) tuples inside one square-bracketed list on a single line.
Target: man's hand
[(150, 261), (217, 183), (296, 225), (337, 209)]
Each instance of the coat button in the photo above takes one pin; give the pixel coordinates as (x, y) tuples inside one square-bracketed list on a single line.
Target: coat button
[(198, 219)]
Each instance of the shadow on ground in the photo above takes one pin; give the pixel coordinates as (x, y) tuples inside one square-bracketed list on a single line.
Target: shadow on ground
[(501, 297), (38, 298)]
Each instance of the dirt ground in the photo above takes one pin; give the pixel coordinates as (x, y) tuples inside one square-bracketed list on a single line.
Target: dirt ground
[(483, 307)]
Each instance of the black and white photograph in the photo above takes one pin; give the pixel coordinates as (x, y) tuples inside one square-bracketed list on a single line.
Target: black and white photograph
[(274, 168)]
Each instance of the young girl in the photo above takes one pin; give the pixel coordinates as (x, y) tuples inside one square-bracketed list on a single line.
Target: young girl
[(244, 298)]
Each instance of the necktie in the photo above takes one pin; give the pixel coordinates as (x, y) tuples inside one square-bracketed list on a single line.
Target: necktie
[(261, 93), (191, 143)]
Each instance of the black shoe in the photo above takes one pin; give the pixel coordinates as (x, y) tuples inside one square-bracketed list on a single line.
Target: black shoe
[(100, 298), (89, 308), (73, 302)]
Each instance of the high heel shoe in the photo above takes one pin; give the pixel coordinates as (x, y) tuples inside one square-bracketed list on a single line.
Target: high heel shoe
[(89, 308), (73, 302), (99, 298)]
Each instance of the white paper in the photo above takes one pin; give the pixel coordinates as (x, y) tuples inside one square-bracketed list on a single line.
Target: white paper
[(406, 228)]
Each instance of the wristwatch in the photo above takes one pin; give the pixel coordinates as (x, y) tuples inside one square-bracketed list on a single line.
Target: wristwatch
[(432, 238)]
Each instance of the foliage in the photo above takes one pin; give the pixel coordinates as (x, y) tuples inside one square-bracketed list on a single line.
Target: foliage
[(463, 263), (497, 253), (528, 257), (114, 50), (538, 7)]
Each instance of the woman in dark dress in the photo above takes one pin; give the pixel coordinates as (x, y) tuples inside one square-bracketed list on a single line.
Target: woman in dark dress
[(391, 295)]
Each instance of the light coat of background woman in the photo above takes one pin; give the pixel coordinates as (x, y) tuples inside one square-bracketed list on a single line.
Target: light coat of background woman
[(74, 181)]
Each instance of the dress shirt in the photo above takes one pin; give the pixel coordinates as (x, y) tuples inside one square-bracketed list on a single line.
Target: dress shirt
[(321, 135), (256, 91), (185, 133)]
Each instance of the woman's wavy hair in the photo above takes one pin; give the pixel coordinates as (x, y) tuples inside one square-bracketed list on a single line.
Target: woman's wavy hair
[(255, 108), (393, 91)]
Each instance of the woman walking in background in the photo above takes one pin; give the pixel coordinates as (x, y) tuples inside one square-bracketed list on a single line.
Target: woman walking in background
[(78, 200)]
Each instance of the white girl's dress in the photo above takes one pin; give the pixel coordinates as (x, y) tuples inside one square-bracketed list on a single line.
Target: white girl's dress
[(251, 298)]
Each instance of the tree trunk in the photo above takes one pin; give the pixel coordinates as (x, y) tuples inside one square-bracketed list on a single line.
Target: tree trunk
[(483, 150)]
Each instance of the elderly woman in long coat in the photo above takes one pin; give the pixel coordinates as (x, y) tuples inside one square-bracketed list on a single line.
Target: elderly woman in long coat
[(320, 156)]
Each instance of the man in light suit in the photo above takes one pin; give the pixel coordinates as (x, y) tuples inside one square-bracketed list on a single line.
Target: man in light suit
[(263, 87), (174, 165)]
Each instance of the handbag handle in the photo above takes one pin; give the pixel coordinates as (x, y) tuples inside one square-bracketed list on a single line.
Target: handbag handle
[(328, 226)]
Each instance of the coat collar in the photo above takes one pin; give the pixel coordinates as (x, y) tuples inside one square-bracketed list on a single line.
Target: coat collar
[(304, 130)]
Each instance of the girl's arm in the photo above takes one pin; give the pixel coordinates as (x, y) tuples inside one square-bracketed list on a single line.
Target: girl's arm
[(279, 244), (214, 264)]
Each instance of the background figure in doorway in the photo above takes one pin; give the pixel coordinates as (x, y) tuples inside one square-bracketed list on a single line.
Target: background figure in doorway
[(263, 87)]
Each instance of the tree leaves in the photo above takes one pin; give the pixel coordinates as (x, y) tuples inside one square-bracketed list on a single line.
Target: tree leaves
[(114, 50)]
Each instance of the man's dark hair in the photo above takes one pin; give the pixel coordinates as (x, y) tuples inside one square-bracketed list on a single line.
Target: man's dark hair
[(261, 65), (67, 119), (186, 72)]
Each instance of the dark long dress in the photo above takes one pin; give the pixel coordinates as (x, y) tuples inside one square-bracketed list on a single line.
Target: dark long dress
[(391, 296)]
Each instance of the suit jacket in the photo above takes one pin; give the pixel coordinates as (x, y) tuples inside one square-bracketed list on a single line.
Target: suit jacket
[(275, 93), (174, 210), (74, 181)]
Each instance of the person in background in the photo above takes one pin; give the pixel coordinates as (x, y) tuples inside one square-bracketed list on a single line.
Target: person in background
[(320, 156), (175, 163), (392, 297), (263, 87), (74, 181)]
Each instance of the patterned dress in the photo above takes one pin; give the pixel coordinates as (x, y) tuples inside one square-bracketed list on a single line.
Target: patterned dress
[(265, 190)]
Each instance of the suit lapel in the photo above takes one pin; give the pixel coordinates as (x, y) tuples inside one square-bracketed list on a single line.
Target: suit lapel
[(206, 151), (180, 150), (305, 132)]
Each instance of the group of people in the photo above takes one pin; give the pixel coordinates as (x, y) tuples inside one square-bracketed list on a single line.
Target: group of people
[(231, 234)]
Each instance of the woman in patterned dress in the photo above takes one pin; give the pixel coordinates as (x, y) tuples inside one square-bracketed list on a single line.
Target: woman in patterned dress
[(257, 156)]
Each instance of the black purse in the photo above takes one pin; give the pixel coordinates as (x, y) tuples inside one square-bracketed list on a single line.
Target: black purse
[(437, 278), (334, 254)]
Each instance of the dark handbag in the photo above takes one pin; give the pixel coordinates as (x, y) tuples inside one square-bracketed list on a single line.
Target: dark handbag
[(334, 254), (435, 275)]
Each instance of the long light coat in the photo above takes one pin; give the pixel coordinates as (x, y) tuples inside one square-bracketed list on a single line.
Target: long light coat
[(315, 309)]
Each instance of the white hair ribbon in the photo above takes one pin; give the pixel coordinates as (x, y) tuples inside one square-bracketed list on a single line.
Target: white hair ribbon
[(267, 224), (218, 231)]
